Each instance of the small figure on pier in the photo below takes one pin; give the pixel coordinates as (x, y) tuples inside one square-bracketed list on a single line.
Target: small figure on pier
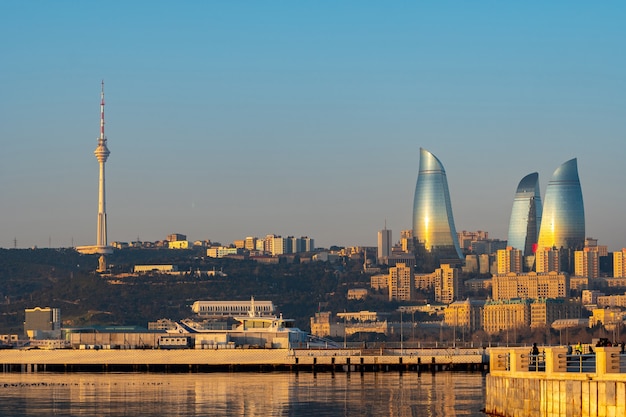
[(579, 349), (534, 357), (534, 350)]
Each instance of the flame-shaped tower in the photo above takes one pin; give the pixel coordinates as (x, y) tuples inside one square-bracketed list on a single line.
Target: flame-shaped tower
[(433, 223)]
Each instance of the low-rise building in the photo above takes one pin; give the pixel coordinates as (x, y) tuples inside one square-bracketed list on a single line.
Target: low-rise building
[(357, 293), (589, 297), (232, 308), (222, 251), (467, 314), (607, 317), (180, 244), (42, 323), (506, 314), (611, 300), (162, 269), (545, 311), (379, 281)]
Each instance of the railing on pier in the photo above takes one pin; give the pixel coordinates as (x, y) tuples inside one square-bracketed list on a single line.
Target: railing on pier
[(606, 360), (556, 382)]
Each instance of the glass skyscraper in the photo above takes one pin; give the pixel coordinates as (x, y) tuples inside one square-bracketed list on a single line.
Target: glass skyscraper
[(563, 218), (526, 215), (433, 223)]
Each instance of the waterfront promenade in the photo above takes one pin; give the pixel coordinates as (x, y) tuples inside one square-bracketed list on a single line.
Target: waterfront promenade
[(206, 360), (556, 383)]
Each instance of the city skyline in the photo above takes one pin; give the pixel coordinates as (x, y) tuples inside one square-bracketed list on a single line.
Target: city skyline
[(234, 120)]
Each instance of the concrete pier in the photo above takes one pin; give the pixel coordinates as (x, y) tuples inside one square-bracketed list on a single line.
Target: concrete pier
[(555, 383), (206, 360)]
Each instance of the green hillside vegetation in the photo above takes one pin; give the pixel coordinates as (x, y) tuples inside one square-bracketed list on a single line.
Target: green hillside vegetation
[(64, 279)]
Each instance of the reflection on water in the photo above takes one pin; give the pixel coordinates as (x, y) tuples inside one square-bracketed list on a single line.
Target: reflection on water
[(243, 394)]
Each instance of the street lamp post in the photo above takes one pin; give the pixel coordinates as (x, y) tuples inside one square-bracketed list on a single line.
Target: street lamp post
[(401, 335)]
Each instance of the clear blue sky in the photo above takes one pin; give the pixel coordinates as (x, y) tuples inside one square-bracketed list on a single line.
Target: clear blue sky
[(229, 119)]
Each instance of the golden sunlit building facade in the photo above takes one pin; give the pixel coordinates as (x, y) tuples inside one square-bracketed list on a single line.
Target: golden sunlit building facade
[(467, 314), (401, 282), (509, 260), (529, 285), (607, 317), (547, 260), (446, 284), (617, 300), (587, 262), (501, 315), (619, 263), (545, 311), (379, 281)]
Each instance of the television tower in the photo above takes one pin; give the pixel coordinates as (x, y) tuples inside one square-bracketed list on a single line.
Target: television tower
[(102, 153)]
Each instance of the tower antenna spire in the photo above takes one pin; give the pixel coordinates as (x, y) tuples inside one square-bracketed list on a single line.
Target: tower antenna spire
[(102, 140)]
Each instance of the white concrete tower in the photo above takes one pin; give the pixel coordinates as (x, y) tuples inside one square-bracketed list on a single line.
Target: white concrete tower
[(102, 153)]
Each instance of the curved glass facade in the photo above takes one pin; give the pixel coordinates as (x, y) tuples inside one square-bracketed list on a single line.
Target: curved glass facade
[(433, 223), (526, 215), (563, 218)]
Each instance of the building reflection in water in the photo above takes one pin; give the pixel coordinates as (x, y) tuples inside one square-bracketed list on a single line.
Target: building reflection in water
[(243, 394)]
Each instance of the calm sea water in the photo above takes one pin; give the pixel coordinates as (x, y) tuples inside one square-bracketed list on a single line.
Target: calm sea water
[(442, 394)]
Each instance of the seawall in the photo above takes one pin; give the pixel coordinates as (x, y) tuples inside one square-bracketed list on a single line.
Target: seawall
[(555, 383), (205, 360)]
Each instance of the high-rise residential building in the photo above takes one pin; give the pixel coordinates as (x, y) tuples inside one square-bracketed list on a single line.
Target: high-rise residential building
[(446, 284), (587, 262), (250, 243), (487, 246), (530, 285), (401, 282), (406, 240), (275, 245), (466, 238), (433, 222), (526, 215), (619, 263), (509, 260), (563, 217), (384, 245), (304, 244), (603, 250), (547, 260)]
